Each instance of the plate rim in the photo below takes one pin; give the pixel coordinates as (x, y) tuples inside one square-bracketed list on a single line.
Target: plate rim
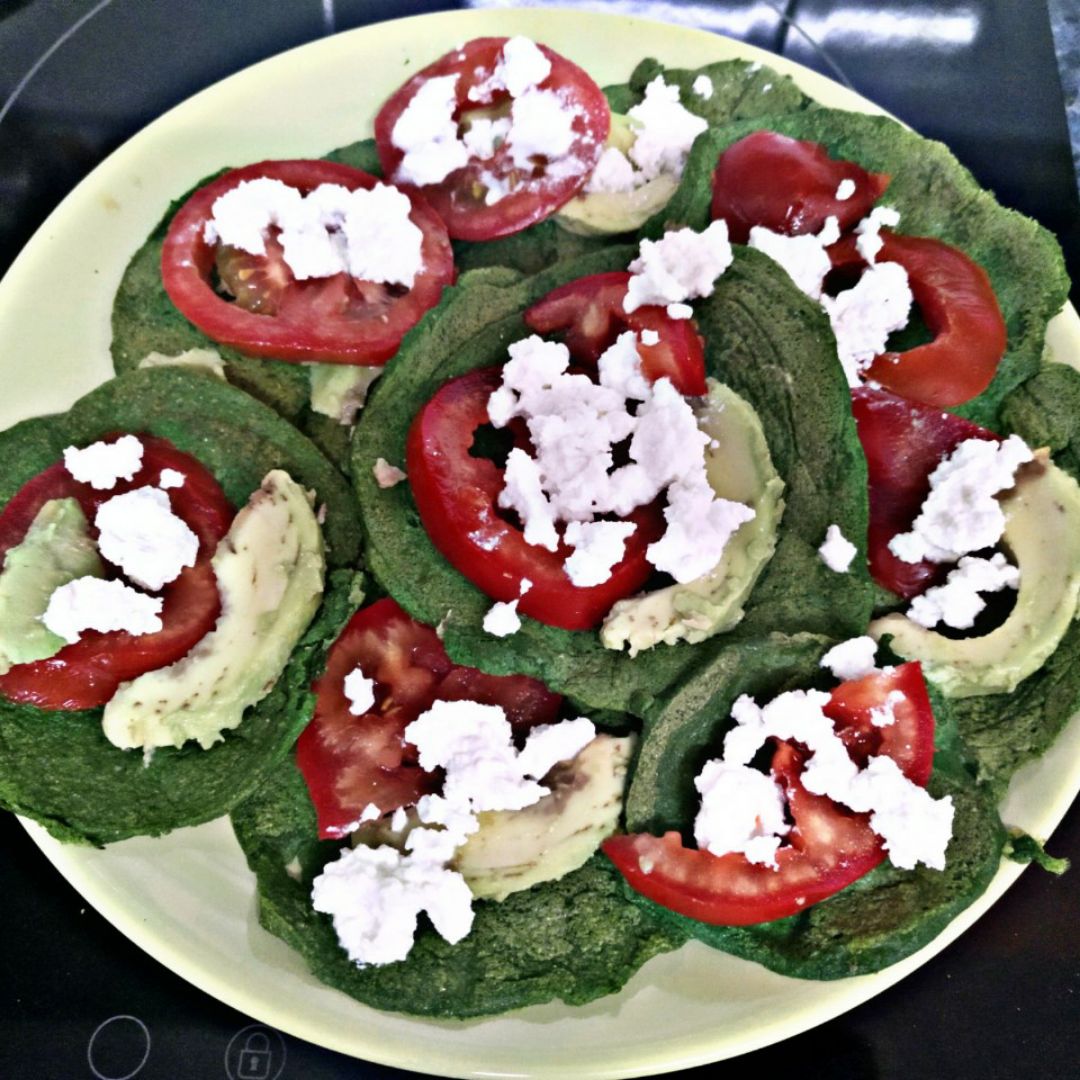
[(73, 868)]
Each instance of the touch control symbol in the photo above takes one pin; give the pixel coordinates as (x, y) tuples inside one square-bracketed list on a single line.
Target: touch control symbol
[(255, 1053), (119, 1048)]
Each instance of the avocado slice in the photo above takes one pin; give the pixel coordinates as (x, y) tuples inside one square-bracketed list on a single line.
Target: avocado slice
[(514, 850), (57, 549), (340, 390), (269, 570), (608, 213), (739, 468), (1042, 532)]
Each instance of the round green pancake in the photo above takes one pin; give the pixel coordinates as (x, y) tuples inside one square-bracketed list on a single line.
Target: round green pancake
[(58, 767), (936, 196), (574, 940), (766, 341)]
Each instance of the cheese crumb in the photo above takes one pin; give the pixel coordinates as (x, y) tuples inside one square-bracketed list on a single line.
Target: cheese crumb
[(961, 513), (90, 603), (957, 603), (742, 810), (598, 547), (869, 241), (139, 533), (387, 475), (170, 478), (837, 552), (502, 619), (703, 87), (428, 134), (851, 659), (360, 690), (666, 130), (804, 258), (845, 189), (682, 266), (102, 464)]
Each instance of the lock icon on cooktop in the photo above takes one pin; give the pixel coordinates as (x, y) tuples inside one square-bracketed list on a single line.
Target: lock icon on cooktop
[(255, 1057)]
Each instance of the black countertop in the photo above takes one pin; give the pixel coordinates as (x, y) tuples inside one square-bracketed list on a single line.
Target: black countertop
[(78, 999)]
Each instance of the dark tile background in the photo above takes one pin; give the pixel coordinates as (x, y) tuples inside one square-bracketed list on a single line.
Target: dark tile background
[(1002, 1002)]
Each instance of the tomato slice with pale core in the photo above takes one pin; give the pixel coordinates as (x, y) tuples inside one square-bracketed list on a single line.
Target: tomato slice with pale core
[(589, 314), (350, 761), (533, 194), (456, 495), (85, 675), (336, 320), (903, 442), (789, 186), (959, 308), (828, 847)]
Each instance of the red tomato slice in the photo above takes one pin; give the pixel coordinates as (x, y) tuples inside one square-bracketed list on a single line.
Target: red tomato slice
[(459, 198), (828, 848), (589, 312), (789, 186), (85, 675), (349, 761), (903, 443), (456, 495), (337, 320), (960, 309)]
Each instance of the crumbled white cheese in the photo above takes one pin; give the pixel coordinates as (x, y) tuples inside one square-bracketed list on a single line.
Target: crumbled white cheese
[(484, 136), (574, 425), (520, 67), (869, 241), (370, 813), (837, 552), (540, 126), (650, 337), (387, 475), (699, 526), (598, 547), (523, 493), (170, 478), (680, 311), (360, 690), (614, 173), (864, 316), (375, 896), (884, 715), (619, 366), (102, 464), (666, 130), (703, 87), (428, 134), (90, 603), (914, 826), (474, 744), (804, 258), (502, 619), (845, 189), (851, 659), (366, 233), (399, 820), (957, 603), (961, 513), (141, 535), (682, 266), (742, 810)]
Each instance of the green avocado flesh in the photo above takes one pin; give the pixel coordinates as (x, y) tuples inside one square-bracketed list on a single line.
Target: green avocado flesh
[(764, 339), (57, 549), (58, 767)]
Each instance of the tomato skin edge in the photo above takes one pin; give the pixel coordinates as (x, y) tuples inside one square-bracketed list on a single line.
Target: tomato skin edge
[(187, 265)]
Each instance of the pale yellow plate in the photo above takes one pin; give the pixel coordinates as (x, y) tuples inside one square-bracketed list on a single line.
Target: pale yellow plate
[(188, 898)]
